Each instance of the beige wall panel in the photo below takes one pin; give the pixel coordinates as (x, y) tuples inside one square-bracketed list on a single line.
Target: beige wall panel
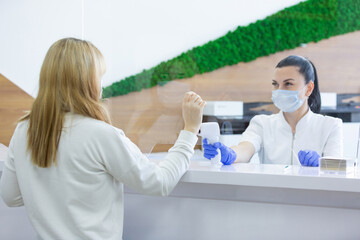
[(13, 104)]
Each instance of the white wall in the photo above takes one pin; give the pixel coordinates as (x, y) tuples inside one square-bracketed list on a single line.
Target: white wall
[(133, 35)]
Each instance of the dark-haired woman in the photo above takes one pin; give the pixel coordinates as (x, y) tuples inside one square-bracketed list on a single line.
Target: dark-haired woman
[(295, 135)]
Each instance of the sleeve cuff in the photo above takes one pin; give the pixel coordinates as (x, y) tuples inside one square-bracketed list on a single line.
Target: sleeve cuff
[(188, 137)]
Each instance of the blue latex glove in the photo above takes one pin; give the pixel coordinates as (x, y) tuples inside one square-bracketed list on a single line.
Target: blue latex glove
[(309, 158), (228, 156), (209, 150)]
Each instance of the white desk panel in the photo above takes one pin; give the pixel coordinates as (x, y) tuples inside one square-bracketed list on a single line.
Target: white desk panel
[(248, 201)]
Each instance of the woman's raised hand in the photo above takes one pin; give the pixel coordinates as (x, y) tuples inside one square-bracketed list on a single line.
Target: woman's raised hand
[(192, 111)]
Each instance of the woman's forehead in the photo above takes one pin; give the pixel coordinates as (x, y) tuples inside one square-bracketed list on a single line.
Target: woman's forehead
[(288, 72)]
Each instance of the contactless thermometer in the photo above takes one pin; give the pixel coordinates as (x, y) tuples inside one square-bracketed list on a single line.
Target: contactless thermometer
[(211, 131)]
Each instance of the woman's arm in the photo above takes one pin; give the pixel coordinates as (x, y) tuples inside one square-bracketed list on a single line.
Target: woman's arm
[(244, 151), (9, 186), (125, 162), (251, 140), (147, 177)]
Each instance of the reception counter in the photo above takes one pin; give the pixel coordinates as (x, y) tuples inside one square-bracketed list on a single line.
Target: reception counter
[(249, 201), (242, 201)]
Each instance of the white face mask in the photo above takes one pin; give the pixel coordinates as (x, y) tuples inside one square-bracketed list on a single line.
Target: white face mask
[(287, 100)]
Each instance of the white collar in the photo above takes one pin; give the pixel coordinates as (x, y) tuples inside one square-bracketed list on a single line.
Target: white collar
[(303, 122)]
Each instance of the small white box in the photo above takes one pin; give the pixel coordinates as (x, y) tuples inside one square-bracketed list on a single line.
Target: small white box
[(328, 100), (224, 108)]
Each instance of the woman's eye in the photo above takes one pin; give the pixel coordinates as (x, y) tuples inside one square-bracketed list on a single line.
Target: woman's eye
[(288, 84), (274, 84)]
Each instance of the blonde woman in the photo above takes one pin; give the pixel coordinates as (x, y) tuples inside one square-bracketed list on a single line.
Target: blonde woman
[(67, 164)]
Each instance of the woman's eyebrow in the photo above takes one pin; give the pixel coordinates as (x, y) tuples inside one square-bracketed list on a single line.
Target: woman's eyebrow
[(289, 79), (286, 80)]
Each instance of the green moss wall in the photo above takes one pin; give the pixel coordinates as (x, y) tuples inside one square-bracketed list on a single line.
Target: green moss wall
[(309, 21)]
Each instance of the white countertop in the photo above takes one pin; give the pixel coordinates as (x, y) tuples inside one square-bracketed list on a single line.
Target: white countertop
[(266, 183), (267, 175), (259, 175)]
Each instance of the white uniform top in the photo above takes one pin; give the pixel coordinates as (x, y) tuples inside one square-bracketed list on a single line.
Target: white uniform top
[(273, 139), (82, 197)]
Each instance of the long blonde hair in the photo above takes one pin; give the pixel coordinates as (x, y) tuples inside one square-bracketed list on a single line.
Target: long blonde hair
[(69, 82)]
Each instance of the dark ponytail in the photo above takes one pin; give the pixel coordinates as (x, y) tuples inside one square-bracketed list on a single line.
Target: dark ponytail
[(308, 70), (314, 100)]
